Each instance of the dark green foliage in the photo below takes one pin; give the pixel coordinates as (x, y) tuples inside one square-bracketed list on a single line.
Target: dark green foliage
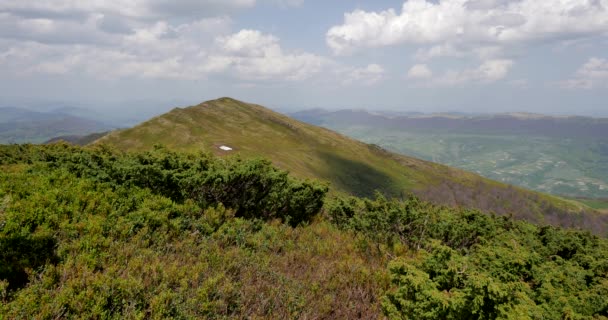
[(253, 188), (159, 234), (95, 234), (474, 266), (18, 253)]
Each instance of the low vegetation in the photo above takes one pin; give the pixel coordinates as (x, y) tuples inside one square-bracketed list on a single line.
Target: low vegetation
[(99, 233), (350, 166)]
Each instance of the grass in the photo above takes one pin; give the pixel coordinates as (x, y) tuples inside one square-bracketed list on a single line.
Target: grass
[(308, 151), (598, 204)]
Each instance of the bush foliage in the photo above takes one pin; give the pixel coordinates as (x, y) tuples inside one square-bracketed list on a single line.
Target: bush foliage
[(468, 265), (97, 233)]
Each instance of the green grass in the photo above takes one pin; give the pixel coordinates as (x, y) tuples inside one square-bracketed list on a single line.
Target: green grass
[(309, 151), (598, 204)]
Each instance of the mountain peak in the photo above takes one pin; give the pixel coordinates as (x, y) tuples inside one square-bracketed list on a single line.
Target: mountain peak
[(227, 126)]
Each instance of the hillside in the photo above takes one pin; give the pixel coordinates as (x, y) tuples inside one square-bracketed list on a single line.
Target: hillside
[(350, 166), (559, 155)]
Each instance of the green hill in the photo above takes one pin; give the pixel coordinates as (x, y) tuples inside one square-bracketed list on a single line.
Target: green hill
[(348, 165)]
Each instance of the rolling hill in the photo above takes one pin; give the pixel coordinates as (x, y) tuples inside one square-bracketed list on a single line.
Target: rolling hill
[(350, 166)]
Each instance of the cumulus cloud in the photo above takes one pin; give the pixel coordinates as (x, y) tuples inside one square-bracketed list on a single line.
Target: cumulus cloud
[(592, 74), (253, 55), (54, 31), (163, 51), (251, 43), (185, 39), (420, 71), (450, 27)]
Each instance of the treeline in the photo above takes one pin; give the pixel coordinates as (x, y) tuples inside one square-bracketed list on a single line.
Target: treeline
[(98, 233)]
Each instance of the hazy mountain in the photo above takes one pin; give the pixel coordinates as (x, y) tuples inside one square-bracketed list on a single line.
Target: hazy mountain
[(79, 140), (20, 125)]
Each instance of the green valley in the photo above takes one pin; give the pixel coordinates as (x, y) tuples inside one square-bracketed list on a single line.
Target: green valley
[(552, 155)]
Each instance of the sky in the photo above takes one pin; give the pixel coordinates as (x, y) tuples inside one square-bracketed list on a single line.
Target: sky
[(134, 56)]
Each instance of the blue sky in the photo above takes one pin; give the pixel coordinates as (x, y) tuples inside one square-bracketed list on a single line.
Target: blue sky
[(453, 55)]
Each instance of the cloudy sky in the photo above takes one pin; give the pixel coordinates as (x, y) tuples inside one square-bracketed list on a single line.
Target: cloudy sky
[(547, 56)]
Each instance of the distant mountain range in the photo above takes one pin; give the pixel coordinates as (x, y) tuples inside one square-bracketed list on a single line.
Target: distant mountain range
[(566, 155), (20, 125), (508, 123)]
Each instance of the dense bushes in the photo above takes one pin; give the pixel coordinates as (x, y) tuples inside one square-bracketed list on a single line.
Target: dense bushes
[(253, 188), (79, 239), (475, 266), (166, 235)]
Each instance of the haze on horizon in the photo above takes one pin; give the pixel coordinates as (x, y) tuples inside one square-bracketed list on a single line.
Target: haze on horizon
[(473, 56)]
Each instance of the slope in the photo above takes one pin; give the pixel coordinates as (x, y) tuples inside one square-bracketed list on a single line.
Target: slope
[(566, 156), (350, 166)]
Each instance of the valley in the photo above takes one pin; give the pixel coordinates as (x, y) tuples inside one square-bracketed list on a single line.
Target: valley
[(569, 163)]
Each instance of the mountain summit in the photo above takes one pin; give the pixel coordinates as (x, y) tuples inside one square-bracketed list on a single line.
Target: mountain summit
[(230, 127)]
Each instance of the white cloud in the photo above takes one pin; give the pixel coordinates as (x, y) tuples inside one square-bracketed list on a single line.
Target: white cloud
[(145, 39), (366, 76), (55, 31), (452, 26), (592, 74), (251, 43), (164, 51), (140, 9), (488, 72), (420, 71), (252, 55)]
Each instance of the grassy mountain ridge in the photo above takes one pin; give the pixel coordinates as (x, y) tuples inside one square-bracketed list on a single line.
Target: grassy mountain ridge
[(350, 166)]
